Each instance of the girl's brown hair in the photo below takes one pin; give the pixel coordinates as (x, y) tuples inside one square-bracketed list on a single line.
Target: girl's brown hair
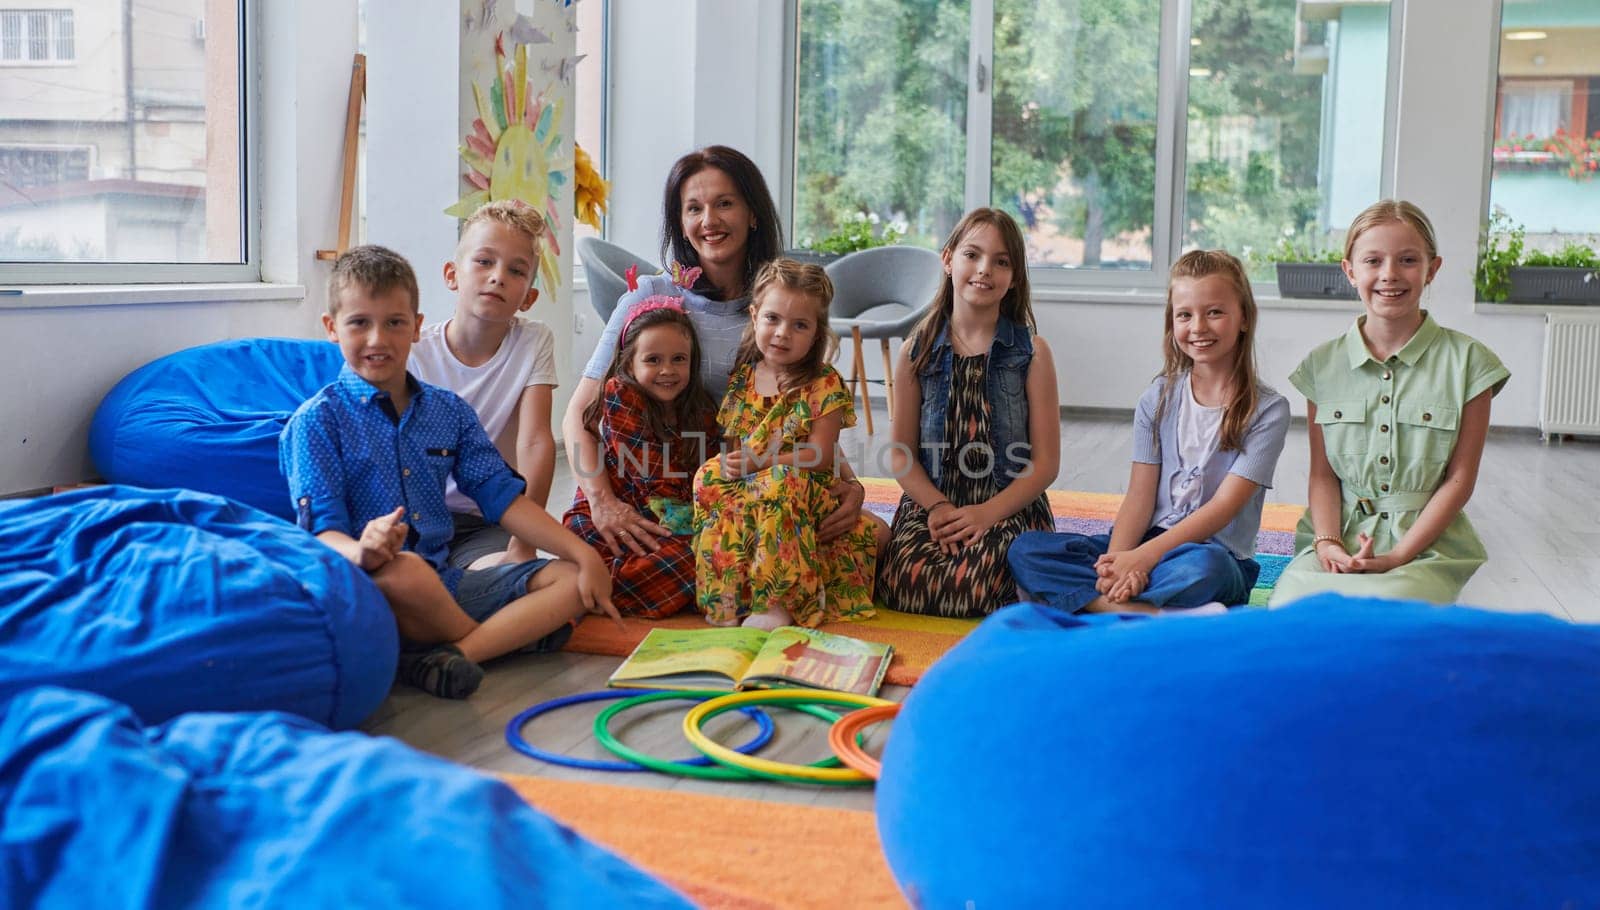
[(1017, 305), (1241, 407), (802, 278), (692, 410), (1389, 211)]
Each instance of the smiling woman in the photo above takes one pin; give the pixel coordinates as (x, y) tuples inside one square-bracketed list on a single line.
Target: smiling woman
[(717, 216)]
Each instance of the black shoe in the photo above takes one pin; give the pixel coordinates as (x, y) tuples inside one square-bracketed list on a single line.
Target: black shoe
[(442, 670)]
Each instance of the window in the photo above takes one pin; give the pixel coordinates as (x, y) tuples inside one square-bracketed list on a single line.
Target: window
[(1545, 159), (912, 111), (36, 36), (126, 161)]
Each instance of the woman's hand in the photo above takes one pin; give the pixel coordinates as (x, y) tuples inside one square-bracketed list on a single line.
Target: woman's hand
[(841, 521), (623, 529)]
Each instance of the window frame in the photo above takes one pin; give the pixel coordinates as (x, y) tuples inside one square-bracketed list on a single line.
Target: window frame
[(52, 39), (247, 271), (1171, 172)]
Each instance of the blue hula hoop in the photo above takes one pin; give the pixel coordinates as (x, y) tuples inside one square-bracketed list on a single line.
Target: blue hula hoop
[(516, 741)]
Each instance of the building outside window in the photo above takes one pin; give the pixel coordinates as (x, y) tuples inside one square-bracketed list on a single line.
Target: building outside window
[(1545, 160), (124, 160)]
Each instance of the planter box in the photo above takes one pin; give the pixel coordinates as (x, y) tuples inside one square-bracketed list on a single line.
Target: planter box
[(1323, 280), (1539, 284)]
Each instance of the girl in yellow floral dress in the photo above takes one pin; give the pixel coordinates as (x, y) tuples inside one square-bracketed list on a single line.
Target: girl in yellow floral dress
[(757, 505)]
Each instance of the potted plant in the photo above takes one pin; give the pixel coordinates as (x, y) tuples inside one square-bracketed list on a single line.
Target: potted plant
[(855, 232), (1310, 274), (1507, 271), (1570, 275)]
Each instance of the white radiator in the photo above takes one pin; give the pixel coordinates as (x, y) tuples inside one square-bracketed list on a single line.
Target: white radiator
[(1569, 400)]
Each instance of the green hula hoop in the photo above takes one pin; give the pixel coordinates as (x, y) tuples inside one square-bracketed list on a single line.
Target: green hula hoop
[(603, 735)]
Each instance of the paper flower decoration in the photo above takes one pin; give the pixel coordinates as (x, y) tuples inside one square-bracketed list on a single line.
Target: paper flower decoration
[(589, 191), (513, 151)]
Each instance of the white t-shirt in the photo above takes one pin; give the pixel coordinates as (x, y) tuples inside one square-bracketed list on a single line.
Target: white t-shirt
[(1199, 429), (527, 357)]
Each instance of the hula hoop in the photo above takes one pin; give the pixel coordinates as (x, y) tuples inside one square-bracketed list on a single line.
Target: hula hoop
[(515, 739), (761, 767), (603, 735), (844, 735)]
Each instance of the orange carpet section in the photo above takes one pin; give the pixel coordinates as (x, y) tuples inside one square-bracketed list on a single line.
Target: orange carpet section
[(728, 854)]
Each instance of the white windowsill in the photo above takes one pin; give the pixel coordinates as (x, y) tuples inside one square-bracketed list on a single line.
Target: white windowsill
[(50, 296), (1535, 309), (1150, 297)]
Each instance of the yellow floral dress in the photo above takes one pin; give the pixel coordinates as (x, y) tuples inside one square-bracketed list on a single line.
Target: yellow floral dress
[(756, 537)]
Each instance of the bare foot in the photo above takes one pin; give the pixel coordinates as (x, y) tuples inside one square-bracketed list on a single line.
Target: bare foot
[(769, 620)]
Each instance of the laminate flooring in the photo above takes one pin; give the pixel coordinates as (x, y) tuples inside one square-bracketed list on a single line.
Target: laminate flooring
[(1536, 507)]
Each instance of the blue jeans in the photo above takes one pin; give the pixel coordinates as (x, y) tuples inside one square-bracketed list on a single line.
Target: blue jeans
[(1058, 569)]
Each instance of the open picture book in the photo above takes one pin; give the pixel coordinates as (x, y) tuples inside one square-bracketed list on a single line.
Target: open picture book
[(741, 658)]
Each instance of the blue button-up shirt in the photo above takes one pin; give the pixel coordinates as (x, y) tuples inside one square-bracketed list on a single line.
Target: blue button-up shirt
[(349, 458)]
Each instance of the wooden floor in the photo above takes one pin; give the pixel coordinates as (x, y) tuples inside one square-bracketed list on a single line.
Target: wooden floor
[(1536, 508)]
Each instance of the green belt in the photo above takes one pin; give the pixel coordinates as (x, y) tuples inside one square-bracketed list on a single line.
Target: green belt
[(1393, 503)]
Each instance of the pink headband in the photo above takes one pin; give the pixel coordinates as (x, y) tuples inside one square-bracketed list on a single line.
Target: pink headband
[(649, 304)]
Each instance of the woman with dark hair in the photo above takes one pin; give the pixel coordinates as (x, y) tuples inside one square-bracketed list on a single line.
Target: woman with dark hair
[(717, 216)]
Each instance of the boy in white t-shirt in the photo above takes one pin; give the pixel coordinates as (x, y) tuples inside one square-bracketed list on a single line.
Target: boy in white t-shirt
[(502, 365)]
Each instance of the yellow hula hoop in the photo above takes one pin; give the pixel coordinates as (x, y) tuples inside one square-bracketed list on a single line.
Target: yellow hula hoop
[(775, 770)]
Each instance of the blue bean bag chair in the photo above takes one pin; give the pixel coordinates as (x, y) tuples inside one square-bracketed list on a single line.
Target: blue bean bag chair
[(268, 810), (1338, 753), (173, 601), (208, 418)]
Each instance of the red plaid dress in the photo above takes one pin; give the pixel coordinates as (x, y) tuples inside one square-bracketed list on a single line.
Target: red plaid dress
[(661, 583)]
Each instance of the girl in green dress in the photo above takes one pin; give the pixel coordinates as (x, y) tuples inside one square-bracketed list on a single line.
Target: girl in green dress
[(1398, 409)]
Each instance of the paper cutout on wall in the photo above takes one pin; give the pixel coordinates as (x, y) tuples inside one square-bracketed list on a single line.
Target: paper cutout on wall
[(513, 151)]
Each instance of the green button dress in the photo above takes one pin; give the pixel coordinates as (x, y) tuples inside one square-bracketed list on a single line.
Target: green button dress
[(1389, 429)]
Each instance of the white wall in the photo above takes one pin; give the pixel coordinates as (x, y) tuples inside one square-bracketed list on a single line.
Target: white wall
[(413, 171), (61, 351), (1106, 344)]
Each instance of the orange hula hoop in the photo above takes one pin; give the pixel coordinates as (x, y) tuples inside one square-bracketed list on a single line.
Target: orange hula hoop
[(842, 737)]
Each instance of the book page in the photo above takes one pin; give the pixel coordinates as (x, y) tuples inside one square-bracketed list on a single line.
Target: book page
[(822, 660), (675, 652)]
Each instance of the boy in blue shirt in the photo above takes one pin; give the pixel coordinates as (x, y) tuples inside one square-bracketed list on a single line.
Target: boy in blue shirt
[(367, 458)]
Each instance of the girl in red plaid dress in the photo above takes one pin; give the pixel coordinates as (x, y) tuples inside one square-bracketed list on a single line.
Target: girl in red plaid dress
[(654, 421)]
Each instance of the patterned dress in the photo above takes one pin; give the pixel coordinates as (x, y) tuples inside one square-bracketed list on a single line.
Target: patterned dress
[(656, 584), (756, 537), (914, 576)]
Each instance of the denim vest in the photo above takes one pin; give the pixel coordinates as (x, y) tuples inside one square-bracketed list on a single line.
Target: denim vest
[(1005, 382)]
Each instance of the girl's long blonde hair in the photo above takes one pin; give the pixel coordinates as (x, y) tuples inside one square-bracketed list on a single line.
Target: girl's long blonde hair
[(1017, 305), (1241, 407), (802, 278)]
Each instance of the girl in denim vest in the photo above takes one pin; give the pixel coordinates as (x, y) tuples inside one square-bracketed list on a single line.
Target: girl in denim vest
[(976, 432), (1206, 440)]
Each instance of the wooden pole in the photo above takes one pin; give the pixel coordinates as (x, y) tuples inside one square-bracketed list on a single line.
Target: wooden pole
[(352, 138)]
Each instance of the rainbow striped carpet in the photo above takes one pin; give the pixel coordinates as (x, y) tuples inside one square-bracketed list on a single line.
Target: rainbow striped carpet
[(920, 640)]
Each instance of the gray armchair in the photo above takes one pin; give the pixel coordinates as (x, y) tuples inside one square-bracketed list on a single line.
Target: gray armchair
[(604, 265), (903, 280)]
